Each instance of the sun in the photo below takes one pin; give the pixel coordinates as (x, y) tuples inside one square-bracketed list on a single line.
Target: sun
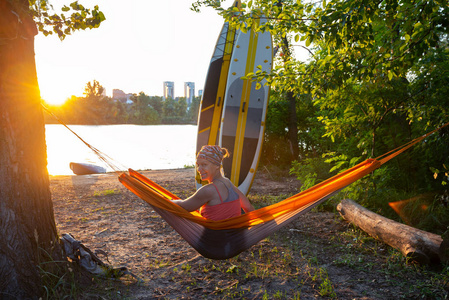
[(52, 90), (53, 97), (53, 72)]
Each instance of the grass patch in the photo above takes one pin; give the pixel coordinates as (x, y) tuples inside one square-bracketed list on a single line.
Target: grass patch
[(106, 193)]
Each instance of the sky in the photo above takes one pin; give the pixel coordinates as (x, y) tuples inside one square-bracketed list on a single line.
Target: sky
[(141, 44)]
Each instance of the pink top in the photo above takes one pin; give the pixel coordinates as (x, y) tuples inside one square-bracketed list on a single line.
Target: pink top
[(225, 210)]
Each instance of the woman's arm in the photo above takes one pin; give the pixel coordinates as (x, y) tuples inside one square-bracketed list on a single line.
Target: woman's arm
[(194, 202)]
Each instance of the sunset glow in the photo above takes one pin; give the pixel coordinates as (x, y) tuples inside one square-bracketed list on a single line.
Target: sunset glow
[(130, 51), (54, 97), (58, 78)]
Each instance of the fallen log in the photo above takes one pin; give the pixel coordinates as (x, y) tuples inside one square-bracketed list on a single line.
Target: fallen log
[(417, 245), (444, 248)]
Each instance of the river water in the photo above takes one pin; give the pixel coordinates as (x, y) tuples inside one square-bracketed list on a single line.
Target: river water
[(139, 147)]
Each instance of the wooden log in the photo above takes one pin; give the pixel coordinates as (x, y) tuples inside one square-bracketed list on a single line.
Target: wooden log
[(417, 245), (444, 247)]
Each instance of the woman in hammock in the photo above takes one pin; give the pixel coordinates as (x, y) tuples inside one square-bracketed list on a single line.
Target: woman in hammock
[(219, 199)]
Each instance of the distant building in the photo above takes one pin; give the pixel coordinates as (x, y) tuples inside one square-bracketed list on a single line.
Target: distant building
[(121, 96), (189, 92), (169, 90)]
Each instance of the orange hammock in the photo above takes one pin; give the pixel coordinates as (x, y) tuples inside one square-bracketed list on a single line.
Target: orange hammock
[(227, 238)]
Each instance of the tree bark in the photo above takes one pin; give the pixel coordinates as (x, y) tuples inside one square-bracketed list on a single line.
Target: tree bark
[(418, 245), (293, 125), (292, 116), (28, 234)]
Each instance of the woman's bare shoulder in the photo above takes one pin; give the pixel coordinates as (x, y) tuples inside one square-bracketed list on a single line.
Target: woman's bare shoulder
[(226, 181), (207, 189)]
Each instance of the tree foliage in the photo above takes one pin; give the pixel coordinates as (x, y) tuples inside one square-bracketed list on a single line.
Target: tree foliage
[(141, 112), (375, 78), (97, 109), (71, 18)]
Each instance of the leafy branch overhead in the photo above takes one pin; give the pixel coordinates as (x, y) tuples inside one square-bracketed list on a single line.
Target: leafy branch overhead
[(71, 18), (376, 75), (360, 39)]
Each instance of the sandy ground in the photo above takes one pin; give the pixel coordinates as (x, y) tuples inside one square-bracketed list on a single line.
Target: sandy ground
[(317, 256)]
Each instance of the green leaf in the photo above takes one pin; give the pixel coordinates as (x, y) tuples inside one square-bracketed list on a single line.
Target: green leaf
[(417, 25), (407, 38), (309, 41)]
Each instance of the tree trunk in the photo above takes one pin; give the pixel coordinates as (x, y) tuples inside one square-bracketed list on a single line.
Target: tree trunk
[(418, 245), (293, 126), (28, 234), (292, 117)]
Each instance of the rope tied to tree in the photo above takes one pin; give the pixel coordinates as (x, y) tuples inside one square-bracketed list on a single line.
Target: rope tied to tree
[(113, 164)]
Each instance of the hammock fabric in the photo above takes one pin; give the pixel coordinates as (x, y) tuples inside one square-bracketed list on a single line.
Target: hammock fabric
[(227, 238)]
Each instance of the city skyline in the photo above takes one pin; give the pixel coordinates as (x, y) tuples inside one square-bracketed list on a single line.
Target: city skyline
[(189, 92)]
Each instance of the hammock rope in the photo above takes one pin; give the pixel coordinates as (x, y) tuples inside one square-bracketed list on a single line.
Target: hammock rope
[(145, 188), (227, 238), (395, 152), (113, 164)]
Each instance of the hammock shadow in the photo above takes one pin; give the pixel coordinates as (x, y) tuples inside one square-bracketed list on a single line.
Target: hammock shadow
[(80, 182)]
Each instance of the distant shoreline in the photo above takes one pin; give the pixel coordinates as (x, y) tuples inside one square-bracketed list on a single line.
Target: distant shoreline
[(112, 173)]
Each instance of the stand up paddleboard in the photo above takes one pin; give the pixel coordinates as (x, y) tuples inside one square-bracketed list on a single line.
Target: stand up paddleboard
[(245, 107), (209, 117)]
